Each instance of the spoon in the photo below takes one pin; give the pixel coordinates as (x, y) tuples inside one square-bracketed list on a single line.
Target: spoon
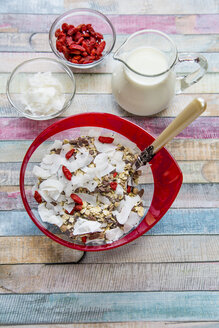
[(187, 116)]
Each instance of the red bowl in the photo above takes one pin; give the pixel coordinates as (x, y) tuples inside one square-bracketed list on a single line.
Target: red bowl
[(166, 173)]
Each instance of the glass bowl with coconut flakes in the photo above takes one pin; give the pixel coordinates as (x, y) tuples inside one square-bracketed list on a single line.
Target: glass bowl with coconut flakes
[(75, 182)]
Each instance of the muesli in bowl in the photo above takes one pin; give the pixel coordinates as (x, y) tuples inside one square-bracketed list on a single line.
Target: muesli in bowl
[(161, 180), (84, 188)]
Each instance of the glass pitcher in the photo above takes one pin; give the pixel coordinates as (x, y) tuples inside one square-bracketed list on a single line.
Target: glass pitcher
[(144, 80)]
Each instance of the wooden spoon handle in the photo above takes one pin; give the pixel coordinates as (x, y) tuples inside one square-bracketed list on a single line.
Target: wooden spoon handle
[(187, 116)]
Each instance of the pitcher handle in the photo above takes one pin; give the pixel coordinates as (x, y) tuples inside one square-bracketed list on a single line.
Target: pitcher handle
[(185, 81)]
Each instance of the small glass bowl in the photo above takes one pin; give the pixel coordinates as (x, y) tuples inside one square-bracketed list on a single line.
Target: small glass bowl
[(76, 17), (18, 81)]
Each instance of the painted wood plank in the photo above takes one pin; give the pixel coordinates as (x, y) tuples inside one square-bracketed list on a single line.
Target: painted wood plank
[(146, 249), (108, 307), (41, 278), (31, 42), (193, 172), (190, 196), (175, 222), (84, 103), (124, 24), (181, 149), (25, 129), (13, 59), (155, 249), (101, 83), (133, 324), (37, 249), (112, 7)]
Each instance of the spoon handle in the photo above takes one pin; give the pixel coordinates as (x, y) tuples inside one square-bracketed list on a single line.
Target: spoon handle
[(187, 116)]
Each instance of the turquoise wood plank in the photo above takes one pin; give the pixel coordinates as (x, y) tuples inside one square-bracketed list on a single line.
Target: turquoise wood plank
[(175, 222), (33, 7), (108, 307)]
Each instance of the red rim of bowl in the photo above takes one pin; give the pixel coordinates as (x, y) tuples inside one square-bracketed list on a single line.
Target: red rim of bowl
[(167, 177)]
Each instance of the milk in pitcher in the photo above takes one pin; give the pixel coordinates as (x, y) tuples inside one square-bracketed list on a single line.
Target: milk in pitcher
[(144, 86)]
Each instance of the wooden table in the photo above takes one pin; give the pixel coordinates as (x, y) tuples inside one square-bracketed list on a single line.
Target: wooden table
[(170, 275)]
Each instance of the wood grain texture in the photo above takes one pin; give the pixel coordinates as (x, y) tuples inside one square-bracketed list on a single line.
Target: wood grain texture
[(84, 103), (113, 6), (41, 278), (101, 83), (190, 196), (124, 24), (25, 129), (35, 250), (105, 307), (108, 66), (135, 324), (193, 150), (193, 172), (38, 42), (174, 222), (146, 249)]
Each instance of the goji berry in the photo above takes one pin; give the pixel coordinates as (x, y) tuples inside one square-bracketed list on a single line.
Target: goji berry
[(77, 57), (58, 46), (72, 30), (57, 32), (71, 213), (80, 40), (115, 174), (77, 36), (75, 52), (65, 27), (101, 47), (66, 172), (105, 139), (129, 189), (69, 153), (113, 185), (99, 35), (78, 207), (37, 197), (76, 199), (77, 47), (69, 41)]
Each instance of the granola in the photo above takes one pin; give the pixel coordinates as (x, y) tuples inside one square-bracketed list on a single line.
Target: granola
[(83, 188)]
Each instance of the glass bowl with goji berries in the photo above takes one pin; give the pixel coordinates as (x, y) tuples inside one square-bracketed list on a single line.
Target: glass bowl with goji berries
[(82, 38)]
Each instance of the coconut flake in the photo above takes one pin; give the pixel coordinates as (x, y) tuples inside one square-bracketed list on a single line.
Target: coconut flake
[(117, 160), (104, 147), (83, 226), (52, 188), (49, 215), (119, 190), (104, 200), (57, 144), (65, 149), (82, 159), (128, 204), (39, 172), (69, 207), (114, 234), (91, 199), (132, 221)]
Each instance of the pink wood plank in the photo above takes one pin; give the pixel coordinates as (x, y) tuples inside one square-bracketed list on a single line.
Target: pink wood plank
[(22, 128), (186, 24)]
